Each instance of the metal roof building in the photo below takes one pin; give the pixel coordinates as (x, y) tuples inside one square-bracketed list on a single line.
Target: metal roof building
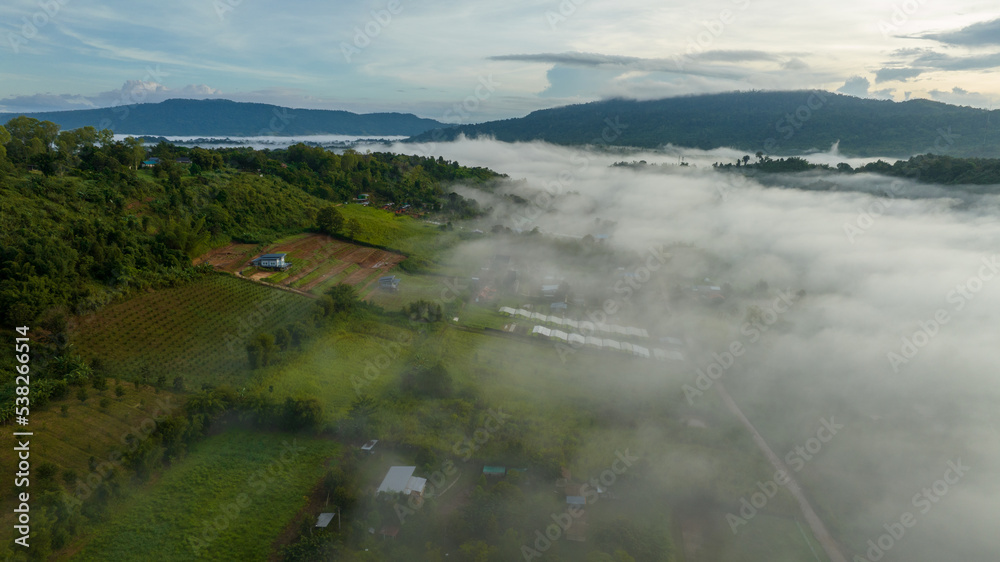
[(400, 479)]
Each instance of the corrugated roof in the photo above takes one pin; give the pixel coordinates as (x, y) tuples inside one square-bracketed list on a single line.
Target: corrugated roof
[(397, 479)]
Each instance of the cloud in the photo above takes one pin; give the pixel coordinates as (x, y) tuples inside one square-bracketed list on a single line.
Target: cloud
[(894, 74), (827, 356), (960, 96), (975, 35), (941, 61), (855, 86), (650, 64), (131, 92)]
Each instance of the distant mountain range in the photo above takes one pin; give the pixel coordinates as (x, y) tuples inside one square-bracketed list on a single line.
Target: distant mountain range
[(788, 122), (230, 118)]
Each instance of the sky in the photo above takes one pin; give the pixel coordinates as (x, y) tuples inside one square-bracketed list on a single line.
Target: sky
[(495, 60)]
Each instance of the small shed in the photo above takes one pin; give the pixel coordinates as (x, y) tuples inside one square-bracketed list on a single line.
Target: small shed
[(390, 283), (324, 519), (495, 471), (369, 446)]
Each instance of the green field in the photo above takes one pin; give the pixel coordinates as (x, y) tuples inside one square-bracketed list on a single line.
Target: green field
[(198, 330), (229, 499), (59, 436)]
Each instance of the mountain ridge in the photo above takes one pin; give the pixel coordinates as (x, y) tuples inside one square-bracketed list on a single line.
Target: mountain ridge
[(772, 122), (178, 116)]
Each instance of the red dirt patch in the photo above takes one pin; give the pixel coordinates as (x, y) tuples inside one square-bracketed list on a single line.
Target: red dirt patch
[(314, 252), (231, 257)]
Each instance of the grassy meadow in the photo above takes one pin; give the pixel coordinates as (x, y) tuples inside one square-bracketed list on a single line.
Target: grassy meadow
[(229, 499)]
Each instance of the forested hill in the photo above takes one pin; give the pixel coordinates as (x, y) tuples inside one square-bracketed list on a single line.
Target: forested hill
[(224, 117), (771, 122), (83, 222)]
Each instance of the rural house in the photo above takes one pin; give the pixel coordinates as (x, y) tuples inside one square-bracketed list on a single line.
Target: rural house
[(274, 261)]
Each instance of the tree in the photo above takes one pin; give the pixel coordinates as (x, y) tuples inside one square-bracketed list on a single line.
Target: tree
[(301, 413), (119, 390), (179, 383), (329, 220), (282, 338), (746, 158), (352, 227), (81, 394), (260, 350), (29, 138), (432, 381), (4, 139)]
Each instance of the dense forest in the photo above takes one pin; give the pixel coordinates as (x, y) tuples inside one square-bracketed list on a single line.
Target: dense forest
[(926, 168), (224, 117), (773, 122), (84, 221)]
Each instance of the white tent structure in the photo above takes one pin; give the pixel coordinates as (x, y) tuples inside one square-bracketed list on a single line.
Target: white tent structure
[(640, 351), (541, 330), (507, 310), (523, 313), (612, 344), (577, 339), (597, 343), (559, 335)]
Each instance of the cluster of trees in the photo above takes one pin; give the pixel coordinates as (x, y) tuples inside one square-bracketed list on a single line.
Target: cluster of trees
[(338, 303), (423, 310), (927, 168)]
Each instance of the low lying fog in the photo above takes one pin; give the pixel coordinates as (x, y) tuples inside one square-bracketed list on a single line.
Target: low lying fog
[(897, 335)]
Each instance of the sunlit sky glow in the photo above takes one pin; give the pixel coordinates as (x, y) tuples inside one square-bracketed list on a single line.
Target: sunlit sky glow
[(429, 56)]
